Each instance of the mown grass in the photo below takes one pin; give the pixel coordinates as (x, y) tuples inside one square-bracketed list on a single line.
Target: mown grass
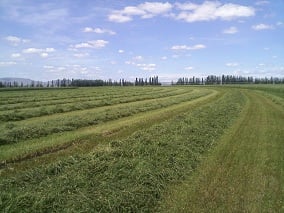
[(88, 137), (13, 132), (127, 175), (244, 172), (35, 109)]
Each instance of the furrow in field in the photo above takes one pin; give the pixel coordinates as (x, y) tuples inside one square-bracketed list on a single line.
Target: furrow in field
[(55, 142), (42, 126), (49, 109)]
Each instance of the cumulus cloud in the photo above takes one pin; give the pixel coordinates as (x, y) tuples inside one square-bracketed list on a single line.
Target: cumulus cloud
[(230, 30), (145, 10), (14, 40), (95, 44), (262, 27), (212, 10), (98, 31), (189, 12), (185, 47)]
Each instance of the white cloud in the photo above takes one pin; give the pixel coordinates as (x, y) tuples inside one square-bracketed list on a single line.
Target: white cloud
[(133, 11), (7, 63), (279, 23), (14, 40), (96, 44), (147, 67), (138, 58), (185, 47), (44, 55), (116, 16), (81, 55), (231, 30), (232, 64), (75, 68), (144, 10), (98, 31), (262, 27), (186, 6), (164, 58), (48, 67), (189, 68), (120, 51), (262, 2), (155, 8), (15, 55), (49, 50), (129, 62), (212, 10), (36, 50), (32, 50)]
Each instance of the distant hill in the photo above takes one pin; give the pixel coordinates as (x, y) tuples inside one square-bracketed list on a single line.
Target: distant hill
[(25, 81)]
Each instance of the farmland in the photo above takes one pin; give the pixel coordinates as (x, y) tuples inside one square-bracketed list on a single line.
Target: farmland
[(142, 149)]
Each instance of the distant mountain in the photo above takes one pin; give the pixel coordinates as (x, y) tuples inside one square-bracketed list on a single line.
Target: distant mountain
[(25, 81)]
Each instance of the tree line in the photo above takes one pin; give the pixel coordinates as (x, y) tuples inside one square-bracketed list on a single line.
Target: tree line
[(227, 79), (83, 83)]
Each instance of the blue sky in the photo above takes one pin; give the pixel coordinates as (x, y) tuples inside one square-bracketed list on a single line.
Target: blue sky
[(94, 39)]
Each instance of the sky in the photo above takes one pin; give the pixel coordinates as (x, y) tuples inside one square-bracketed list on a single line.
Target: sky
[(112, 39)]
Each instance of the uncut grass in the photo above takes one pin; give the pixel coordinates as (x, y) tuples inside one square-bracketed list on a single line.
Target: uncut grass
[(17, 131), (80, 104), (127, 175)]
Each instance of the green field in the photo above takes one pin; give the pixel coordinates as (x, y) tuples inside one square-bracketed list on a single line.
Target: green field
[(142, 149)]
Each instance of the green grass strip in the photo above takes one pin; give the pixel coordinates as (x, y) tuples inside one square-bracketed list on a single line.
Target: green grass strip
[(244, 173)]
